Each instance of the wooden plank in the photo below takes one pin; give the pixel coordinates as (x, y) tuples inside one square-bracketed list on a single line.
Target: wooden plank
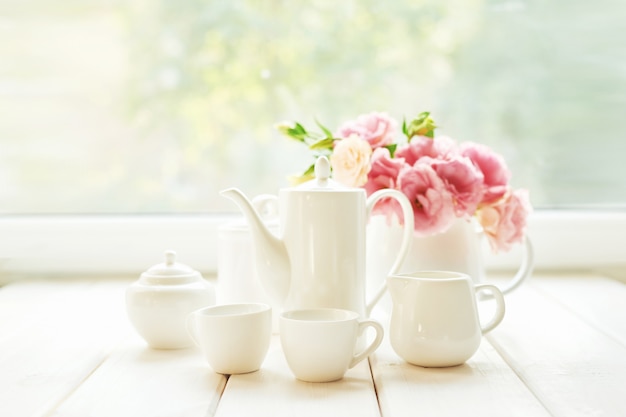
[(598, 300), (274, 391), (571, 366), (138, 381), (562, 341), (52, 336), (22, 303), (483, 386)]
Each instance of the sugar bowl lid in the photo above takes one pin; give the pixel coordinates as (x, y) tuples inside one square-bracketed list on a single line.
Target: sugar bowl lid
[(170, 272)]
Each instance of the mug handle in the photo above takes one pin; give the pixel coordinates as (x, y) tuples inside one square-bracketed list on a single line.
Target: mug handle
[(524, 270), (407, 236), (364, 324), (499, 314), (190, 325)]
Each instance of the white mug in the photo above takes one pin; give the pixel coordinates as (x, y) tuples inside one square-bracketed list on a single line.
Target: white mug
[(233, 337), (319, 343), (434, 320)]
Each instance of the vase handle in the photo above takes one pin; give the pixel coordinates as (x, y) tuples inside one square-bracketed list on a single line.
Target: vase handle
[(525, 269), (407, 236)]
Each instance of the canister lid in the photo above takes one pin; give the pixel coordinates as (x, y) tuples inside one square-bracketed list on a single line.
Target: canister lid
[(170, 272)]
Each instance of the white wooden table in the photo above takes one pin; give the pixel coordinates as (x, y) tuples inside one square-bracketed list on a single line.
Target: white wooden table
[(67, 349)]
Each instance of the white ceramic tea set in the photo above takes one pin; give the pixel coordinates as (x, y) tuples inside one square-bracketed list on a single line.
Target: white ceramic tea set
[(306, 262)]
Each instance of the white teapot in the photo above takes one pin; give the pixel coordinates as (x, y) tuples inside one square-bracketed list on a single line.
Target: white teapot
[(318, 260)]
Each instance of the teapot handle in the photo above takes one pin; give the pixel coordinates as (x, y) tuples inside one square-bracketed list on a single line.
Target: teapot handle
[(407, 236)]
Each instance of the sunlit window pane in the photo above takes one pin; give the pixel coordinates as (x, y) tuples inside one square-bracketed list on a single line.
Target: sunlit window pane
[(147, 106)]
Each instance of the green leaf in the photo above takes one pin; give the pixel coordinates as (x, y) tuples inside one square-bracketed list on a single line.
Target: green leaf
[(299, 138), (422, 125), (297, 132), (392, 149), (404, 128), (307, 175), (310, 170), (327, 132), (326, 143), (299, 129), (292, 130)]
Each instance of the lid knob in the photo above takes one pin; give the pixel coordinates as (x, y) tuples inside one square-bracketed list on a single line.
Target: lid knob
[(170, 272), (322, 170), (170, 257)]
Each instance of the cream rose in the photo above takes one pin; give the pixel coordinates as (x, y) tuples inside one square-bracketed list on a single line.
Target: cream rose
[(351, 161), (504, 223)]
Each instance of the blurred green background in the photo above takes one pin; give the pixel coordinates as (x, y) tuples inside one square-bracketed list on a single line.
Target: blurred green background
[(153, 106)]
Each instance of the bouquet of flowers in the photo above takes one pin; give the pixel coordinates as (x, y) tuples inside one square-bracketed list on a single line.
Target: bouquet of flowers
[(444, 180)]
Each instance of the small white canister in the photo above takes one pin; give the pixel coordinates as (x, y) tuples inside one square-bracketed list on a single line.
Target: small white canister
[(237, 280), (160, 301)]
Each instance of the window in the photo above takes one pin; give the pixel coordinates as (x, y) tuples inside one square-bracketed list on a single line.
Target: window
[(148, 107)]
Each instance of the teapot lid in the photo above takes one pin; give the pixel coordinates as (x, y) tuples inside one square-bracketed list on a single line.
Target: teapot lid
[(170, 272), (323, 181)]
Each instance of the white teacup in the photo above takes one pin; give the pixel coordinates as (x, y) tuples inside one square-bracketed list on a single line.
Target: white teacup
[(233, 337), (434, 321), (319, 344)]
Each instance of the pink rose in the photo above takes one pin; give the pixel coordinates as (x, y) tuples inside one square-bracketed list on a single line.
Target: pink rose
[(384, 174), (445, 146), (422, 146), (384, 171), (378, 129), (504, 223), (463, 180), (432, 202), (493, 167)]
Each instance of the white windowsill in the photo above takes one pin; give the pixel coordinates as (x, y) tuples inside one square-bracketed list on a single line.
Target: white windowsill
[(96, 245)]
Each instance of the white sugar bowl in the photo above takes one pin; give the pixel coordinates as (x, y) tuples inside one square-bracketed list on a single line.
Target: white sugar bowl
[(159, 302)]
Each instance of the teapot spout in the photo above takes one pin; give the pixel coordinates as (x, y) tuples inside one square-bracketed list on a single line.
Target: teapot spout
[(272, 260)]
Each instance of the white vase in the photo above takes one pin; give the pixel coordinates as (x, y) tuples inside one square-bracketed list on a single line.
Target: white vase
[(459, 249)]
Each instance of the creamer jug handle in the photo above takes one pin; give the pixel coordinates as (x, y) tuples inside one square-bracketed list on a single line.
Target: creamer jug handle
[(407, 236)]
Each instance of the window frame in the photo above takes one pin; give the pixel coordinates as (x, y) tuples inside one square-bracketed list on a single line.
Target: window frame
[(86, 246)]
